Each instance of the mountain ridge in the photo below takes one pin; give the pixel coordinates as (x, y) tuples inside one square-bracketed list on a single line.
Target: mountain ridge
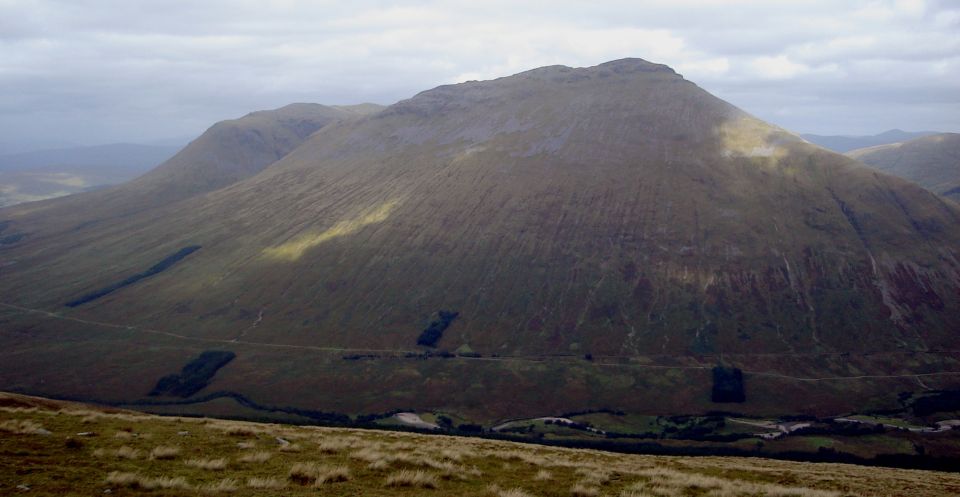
[(932, 161), (614, 211)]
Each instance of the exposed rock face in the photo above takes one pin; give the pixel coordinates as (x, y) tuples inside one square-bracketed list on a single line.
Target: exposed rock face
[(932, 162), (616, 210)]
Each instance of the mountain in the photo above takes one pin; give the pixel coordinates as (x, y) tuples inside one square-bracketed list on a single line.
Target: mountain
[(845, 144), (226, 153), (557, 240), (53, 173), (932, 162)]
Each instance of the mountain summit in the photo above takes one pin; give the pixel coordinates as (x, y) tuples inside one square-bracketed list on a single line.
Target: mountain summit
[(618, 212)]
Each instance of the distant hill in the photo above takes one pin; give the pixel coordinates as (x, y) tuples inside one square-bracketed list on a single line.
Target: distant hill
[(125, 156), (52, 173), (844, 144), (932, 162), (227, 152)]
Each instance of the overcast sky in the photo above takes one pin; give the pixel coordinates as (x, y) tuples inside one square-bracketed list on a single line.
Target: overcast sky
[(104, 71)]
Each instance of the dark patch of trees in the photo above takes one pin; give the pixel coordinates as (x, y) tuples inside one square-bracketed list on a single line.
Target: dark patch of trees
[(727, 385), (470, 428), (431, 335), (945, 401), (194, 376), (360, 357), (156, 268)]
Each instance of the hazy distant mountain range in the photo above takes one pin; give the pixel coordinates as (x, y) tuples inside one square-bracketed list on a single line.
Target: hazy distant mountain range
[(52, 173), (845, 144), (559, 240)]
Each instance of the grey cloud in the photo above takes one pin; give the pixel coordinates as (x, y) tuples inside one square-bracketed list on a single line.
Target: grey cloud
[(95, 71)]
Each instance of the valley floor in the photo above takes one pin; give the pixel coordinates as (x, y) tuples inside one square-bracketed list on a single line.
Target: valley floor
[(59, 448)]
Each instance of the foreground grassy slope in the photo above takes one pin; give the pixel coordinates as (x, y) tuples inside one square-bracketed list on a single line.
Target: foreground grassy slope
[(57, 448)]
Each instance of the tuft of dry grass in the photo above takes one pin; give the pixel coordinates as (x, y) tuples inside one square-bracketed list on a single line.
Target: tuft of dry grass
[(512, 492), (127, 452), (334, 446), (23, 427), (332, 475), (163, 452), (265, 483), (226, 485), (305, 473), (208, 464), (543, 475), (581, 490), (290, 448), (134, 480), (408, 478), (256, 457), (238, 430)]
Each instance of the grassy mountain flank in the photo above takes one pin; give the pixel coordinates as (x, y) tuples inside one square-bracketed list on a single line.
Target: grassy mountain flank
[(605, 235), (932, 162)]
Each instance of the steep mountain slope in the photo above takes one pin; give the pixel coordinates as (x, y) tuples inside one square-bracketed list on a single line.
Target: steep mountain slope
[(845, 143), (932, 162), (618, 211), (226, 153)]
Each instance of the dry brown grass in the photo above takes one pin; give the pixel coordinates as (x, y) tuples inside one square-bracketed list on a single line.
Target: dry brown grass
[(256, 457), (127, 452), (226, 485), (23, 427), (411, 464), (332, 475), (581, 490), (164, 452), (543, 475), (510, 492), (209, 464), (666, 482), (409, 478), (290, 448), (334, 446), (134, 480), (265, 483)]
